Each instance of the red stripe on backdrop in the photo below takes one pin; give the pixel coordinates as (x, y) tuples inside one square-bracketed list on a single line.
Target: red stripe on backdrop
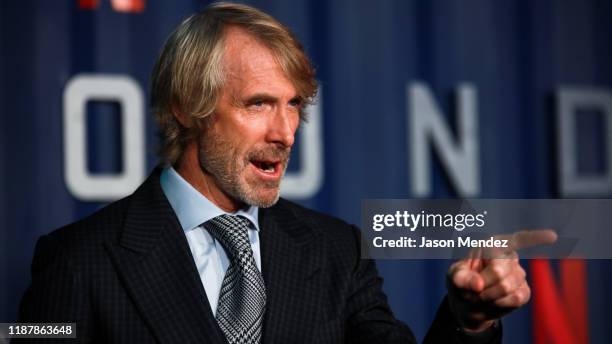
[(88, 4), (125, 6), (559, 314), (128, 6), (573, 282)]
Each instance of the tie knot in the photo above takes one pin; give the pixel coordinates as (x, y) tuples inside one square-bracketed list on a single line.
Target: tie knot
[(231, 231)]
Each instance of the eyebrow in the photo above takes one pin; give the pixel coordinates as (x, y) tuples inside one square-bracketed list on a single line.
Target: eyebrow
[(265, 97), (260, 97)]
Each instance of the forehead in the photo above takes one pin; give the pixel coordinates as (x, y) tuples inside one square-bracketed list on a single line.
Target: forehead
[(245, 57)]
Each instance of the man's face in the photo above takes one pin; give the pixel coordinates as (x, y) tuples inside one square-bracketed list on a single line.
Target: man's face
[(244, 148)]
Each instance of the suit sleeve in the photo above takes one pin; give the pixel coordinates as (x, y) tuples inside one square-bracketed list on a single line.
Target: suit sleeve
[(56, 293), (445, 329), (370, 319)]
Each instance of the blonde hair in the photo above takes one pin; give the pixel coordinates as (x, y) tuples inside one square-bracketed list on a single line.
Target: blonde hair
[(188, 74)]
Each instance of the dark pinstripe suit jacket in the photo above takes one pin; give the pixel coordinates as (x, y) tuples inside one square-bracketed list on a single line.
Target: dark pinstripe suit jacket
[(126, 275)]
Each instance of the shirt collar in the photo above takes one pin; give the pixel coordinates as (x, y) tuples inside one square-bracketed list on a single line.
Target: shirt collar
[(191, 207)]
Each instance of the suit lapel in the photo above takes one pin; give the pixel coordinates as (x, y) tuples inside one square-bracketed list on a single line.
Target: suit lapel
[(155, 264), (290, 268)]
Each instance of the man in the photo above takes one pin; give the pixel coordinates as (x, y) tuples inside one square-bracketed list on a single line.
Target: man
[(204, 251)]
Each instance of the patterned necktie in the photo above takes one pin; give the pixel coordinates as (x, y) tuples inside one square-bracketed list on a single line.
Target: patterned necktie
[(242, 301)]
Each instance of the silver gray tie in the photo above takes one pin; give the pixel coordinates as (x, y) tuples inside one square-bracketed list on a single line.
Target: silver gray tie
[(242, 301)]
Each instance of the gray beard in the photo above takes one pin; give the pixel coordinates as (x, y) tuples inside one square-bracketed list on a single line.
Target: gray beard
[(219, 158)]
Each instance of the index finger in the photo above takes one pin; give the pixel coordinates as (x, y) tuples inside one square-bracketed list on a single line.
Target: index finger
[(530, 238), (518, 241)]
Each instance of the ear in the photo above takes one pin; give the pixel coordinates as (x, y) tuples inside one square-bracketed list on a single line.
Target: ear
[(184, 119)]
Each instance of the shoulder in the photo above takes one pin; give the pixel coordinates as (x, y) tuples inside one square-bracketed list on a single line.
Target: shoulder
[(105, 222), (74, 252), (313, 217), (338, 233), (87, 236)]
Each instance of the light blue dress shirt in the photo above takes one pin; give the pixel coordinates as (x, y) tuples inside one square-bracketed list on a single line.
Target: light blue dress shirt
[(192, 210)]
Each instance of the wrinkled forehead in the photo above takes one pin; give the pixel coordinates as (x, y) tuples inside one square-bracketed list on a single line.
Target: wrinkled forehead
[(246, 54)]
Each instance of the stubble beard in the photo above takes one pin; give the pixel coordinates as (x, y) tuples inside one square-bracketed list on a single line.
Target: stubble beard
[(220, 158)]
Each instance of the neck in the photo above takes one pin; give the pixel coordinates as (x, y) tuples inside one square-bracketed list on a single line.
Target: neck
[(189, 168)]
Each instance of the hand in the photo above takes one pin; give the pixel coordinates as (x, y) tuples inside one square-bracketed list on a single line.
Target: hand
[(491, 283)]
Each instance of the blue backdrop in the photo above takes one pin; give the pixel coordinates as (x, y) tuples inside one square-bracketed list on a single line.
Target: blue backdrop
[(516, 55)]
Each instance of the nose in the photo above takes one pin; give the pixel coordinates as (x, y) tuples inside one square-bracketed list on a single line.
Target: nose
[(282, 128)]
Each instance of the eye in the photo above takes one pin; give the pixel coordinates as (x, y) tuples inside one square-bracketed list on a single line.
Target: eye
[(296, 102), (258, 105)]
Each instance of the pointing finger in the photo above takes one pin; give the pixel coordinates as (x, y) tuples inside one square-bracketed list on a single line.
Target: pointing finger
[(525, 239), (520, 240)]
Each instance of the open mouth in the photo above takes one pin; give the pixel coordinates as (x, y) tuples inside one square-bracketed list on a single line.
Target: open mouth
[(267, 166)]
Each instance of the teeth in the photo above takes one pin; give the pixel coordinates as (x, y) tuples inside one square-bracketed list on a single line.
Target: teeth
[(265, 167)]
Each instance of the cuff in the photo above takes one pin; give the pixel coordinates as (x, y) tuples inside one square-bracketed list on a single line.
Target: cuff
[(490, 335)]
